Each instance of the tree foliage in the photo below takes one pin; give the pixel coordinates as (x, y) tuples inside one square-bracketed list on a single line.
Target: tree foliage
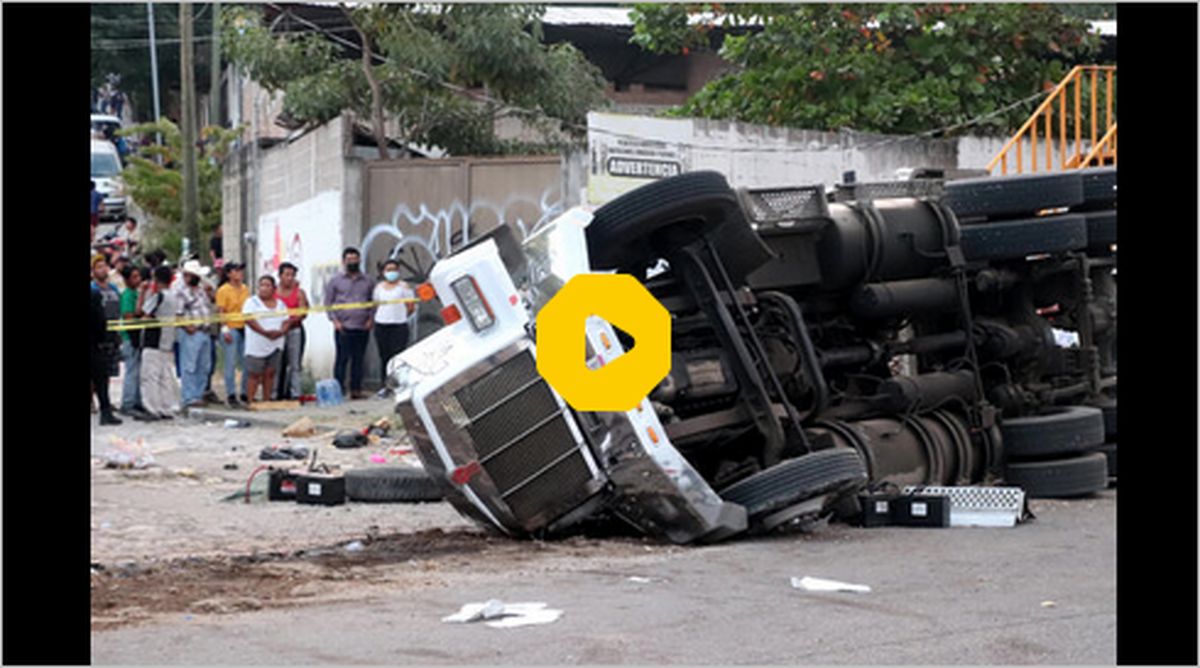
[(446, 73), (894, 68), (158, 189)]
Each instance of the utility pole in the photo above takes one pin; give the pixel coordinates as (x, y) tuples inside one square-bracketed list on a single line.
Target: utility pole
[(154, 72), (214, 86), (191, 228)]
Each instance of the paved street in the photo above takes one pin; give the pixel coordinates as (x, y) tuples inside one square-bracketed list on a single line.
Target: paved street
[(938, 596)]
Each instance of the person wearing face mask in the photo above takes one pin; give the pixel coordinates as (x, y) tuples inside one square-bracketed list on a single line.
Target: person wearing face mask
[(391, 320), (195, 365), (352, 327)]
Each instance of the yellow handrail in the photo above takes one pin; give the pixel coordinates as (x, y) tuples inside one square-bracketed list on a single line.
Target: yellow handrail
[(1107, 146), (1045, 112)]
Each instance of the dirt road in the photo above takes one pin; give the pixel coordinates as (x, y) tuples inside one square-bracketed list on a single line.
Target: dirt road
[(274, 583)]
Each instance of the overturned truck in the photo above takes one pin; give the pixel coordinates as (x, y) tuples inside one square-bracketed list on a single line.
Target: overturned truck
[(920, 332)]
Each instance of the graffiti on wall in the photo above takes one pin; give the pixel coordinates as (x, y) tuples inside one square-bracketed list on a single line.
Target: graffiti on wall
[(422, 236)]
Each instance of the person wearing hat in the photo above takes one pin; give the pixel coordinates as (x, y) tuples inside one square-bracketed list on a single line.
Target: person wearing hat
[(194, 363)]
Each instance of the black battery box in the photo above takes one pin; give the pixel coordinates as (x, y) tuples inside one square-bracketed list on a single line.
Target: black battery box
[(326, 489), (876, 509), (281, 485), (921, 511)]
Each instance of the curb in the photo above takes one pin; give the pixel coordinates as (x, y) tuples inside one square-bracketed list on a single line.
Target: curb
[(204, 414)]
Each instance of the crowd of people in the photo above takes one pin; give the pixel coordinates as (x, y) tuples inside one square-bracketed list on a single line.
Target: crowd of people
[(170, 368)]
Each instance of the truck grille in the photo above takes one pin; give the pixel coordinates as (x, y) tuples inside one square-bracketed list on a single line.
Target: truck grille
[(523, 441)]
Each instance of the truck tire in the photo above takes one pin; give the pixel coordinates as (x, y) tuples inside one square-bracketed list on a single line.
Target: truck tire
[(836, 470), (1004, 196), (391, 483), (1110, 453), (1011, 240), (1099, 188), (1101, 230), (1060, 478), (621, 234), (1061, 430)]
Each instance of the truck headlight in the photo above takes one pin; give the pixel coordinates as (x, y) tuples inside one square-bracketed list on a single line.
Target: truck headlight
[(478, 311)]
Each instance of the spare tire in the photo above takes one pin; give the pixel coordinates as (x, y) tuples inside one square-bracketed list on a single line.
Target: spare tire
[(391, 483), (1110, 452), (1003, 196), (622, 233), (1011, 240), (836, 470), (1058, 478), (1061, 430)]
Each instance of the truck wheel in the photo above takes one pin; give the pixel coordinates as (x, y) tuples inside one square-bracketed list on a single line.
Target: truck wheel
[(622, 233), (1060, 478), (1061, 430), (1099, 188), (392, 483), (1010, 240), (1110, 453), (836, 470), (1101, 230), (1003, 196)]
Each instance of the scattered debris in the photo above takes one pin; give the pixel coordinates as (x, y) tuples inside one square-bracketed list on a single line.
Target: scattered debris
[(230, 467), (379, 428), (379, 459), (500, 615), (126, 455), (639, 579), (820, 584), (1049, 604), (301, 428), (185, 473), (350, 439), (354, 546), (231, 423), (283, 452), (224, 605)]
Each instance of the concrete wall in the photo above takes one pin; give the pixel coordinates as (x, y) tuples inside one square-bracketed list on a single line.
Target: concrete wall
[(302, 203), (625, 151)]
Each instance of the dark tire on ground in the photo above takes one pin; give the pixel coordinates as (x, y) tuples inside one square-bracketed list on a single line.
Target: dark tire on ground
[(392, 483), (622, 233), (1101, 230), (1004, 196), (1110, 452), (1061, 430), (1060, 478), (1011, 240), (838, 470), (1110, 421), (1099, 188)]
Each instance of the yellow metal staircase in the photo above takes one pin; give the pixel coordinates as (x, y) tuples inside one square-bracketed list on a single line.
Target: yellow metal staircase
[(1100, 149)]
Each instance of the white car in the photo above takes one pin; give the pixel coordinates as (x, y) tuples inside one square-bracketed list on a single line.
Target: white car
[(106, 172)]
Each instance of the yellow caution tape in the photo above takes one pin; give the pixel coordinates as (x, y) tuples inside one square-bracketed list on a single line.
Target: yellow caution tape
[(124, 325)]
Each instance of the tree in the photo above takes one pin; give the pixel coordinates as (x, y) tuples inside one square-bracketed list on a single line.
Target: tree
[(444, 73), (158, 190), (893, 68)]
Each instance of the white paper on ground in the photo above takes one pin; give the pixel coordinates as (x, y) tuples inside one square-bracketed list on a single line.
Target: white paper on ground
[(819, 584), (505, 615)]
